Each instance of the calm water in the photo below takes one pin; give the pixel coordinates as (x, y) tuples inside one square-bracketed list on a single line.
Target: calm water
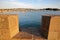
[(32, 19)]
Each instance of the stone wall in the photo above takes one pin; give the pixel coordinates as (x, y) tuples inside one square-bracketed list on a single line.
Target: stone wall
[(45, 26), (8, 25), (54, 28)]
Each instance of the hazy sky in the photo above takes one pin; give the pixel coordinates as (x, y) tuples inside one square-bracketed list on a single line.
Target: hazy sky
[(29, 4)]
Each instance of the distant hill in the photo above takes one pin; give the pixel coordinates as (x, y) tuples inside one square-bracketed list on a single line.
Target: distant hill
[(53, 9)]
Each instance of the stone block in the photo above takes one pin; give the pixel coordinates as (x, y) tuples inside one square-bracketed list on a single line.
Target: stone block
[(8, 26), (54, 28), (13, 25)]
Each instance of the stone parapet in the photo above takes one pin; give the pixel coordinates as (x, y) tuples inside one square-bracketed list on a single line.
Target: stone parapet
[(8, 25)]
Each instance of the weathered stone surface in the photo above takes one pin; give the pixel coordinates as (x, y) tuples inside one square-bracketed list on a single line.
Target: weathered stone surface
[(3, 21), (13, 25), (8, 25), (54, 31)]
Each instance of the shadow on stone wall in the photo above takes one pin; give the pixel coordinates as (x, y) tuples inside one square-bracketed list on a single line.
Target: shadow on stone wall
[(45, 26)]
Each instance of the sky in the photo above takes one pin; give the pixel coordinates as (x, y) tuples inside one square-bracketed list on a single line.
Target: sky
[(35, 4)]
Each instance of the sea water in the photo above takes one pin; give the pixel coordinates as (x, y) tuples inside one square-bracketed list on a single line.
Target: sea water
[(33, 19)]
